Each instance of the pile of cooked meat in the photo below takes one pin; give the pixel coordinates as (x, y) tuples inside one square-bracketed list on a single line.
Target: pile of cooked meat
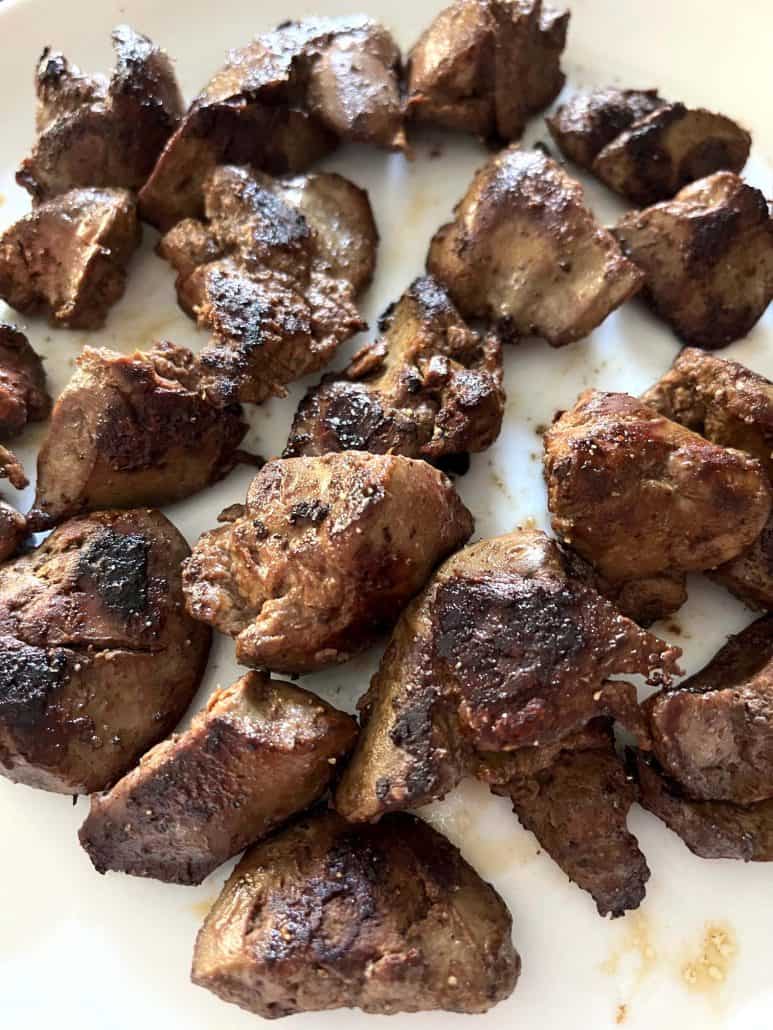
[(509, 659)]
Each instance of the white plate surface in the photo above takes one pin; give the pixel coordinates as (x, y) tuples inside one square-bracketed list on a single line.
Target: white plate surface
[(112, 953)]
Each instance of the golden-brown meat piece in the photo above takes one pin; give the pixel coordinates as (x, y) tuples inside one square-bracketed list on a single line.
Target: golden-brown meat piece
[(587, 122), (714, 733), (707, 256), (131, 430), (710, 829), (485, 66), (68, 257), (273, 273), (280, 103), (669, 148), (323, 556), (504, 649), (201, 797), (524, 251), (732, 406), (23, 395), (430, 388), (386, 918), (98, 658), (645, 500), (577, 806), (95, 132)]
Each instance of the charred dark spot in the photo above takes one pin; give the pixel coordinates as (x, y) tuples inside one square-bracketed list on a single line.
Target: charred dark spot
[(711, 235), (454, 464), (309, 511), (328, 917), (505, 635), (28, 677), (116, 565), (354, 417), (386, 318), (261, 533), (414, 725)]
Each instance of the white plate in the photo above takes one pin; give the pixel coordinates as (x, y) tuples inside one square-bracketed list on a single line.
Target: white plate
[(113, 953)]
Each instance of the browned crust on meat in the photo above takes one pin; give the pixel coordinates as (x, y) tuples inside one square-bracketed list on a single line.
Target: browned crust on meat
[(663, 151), (141, 428), (484, 66), (503, 649), (99, 133), (643, 499), (429, 388), (279, 104), (202, 796), (708, 258), (386, 918), (98, 659), (23, 394)]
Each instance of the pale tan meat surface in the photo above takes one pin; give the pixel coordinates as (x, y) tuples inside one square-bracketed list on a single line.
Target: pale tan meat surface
[(273, 272), (278, 104), (525, 251), (134, 429), (386, 919), (68, 257), (258, 753), (323, 556), (98, 658), (485, 66), (98, 132), (645, 500), (431, 387), (503, 650), (707, 256)]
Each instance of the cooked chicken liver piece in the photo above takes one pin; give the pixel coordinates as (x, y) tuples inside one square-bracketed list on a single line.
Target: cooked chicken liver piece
[(273, 273), (524, 251), (323, 556), (713, 734), (258, 753), (576, 805), (134, 429), (587, 122), (645, 500), (95, 132), (707, 256), (68, 257), (485, 66), (386, 918), (430, 388), (279, 104), (504, 649), (732, 406), (660, 153), (710, 829), (98, 659)]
